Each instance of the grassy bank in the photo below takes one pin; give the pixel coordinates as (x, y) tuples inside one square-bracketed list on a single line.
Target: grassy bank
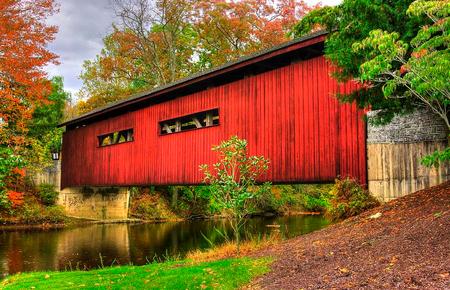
[(224, 274)]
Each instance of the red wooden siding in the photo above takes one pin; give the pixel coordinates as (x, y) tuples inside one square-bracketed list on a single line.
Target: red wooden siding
[(289, 115)]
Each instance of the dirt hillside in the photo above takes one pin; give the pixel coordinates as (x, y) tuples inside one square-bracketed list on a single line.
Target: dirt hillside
[(406, 247)]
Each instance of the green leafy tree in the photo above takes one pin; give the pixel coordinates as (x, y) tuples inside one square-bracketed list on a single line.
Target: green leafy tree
[(9, 162), (232, 180), (397, 50), (43, 133), (423, 74), (351, 22)]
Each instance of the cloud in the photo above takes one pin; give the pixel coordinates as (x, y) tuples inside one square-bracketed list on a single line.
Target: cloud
[(325, 2), (82, 26)]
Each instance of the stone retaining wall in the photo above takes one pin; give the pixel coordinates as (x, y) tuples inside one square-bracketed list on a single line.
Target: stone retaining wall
[(395, 151), (98, 203), (419, 126)]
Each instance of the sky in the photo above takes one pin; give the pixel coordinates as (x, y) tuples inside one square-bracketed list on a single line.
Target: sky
[(82, 26)]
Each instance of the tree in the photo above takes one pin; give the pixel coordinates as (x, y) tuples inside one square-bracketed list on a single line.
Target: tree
[(158, 42), (11, 166), (44, 135), (228, 30), (46, 117), (24, 36), (424, 73), (152, 46), (232, 181), (351, 22), (397, 50)]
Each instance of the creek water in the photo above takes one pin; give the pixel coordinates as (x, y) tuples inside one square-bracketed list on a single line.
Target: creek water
[(91, 246)]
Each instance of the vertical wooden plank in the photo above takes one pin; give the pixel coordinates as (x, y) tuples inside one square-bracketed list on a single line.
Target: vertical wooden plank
[(288, 115), (302, 114)]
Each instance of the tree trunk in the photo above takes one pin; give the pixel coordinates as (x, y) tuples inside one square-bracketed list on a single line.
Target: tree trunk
[(174, 196), (237, 234)]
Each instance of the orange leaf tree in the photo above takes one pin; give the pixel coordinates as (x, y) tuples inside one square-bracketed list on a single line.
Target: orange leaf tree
[(228, 30), (24, 36), (158, 42), (23, 55)]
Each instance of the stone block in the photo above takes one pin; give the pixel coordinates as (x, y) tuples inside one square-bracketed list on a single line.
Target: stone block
[(99, 203)]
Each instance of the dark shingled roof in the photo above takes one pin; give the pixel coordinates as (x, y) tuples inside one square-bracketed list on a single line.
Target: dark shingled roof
[(148, 94)]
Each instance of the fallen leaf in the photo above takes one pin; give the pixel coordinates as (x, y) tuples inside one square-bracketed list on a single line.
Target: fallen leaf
[(375, 216)]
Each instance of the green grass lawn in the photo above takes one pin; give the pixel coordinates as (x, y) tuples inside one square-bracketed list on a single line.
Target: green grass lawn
[(223, 274)]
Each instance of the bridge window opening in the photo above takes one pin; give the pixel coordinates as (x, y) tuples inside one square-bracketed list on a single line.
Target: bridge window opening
[(116, 138), (190, 122)]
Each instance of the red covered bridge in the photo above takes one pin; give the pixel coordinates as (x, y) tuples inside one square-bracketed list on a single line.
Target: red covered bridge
[(281, 100)]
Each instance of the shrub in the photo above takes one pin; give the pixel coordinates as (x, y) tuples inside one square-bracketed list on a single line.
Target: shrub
[(349, 199), (15, 197), (47, 194), (232, 180), (266, 201), (315, 203), (54, 214), (151, 207), (36, 214), (314, 197), (5, 203), (195, 201), (292, 198), (30, 214)]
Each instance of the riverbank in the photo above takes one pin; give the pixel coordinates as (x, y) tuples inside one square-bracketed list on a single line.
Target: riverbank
[(80, 247), (70, 222), (150, 205), (185, 202), (13, 224), (226, 274), (401, 244)]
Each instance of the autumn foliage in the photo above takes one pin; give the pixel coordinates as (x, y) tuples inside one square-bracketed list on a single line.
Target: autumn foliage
[(15, 197), (230, 29), (24, 36), (158, 42), (23, 55)]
